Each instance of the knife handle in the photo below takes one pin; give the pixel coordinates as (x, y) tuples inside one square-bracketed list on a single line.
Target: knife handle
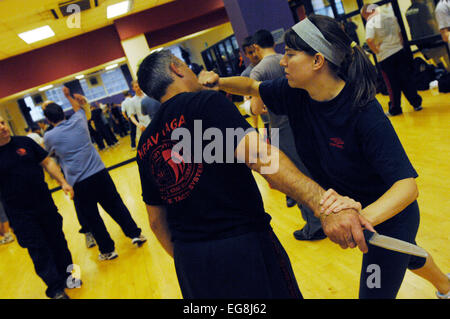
[(368, 235)]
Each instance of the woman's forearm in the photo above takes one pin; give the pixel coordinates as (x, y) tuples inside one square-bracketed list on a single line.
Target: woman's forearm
[(396, 199), (239, 85)]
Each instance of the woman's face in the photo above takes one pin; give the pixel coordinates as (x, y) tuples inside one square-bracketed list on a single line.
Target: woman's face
[(298, 67)]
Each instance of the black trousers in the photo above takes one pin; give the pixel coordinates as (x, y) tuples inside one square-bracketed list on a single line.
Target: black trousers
[(399, 69), (250, 266), (132, 133), (100, 189), (383, 270), (96, 137), (40, 231)]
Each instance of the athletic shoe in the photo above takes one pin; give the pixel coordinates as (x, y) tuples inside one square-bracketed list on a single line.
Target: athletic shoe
[(108, 256), (60, 295), (8, 238), (139, 241), (90, 240), (290, 202), (388, 113), (418, 108), (300, 235), (442, 296)]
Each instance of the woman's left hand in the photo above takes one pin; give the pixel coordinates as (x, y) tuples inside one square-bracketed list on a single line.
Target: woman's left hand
[(332, 202)]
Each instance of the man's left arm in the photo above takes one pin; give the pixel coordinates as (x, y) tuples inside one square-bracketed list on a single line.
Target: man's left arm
[(157, 216), (53, 169)]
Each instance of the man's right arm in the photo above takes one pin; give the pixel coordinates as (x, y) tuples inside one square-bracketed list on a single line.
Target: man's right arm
[(343, 228), (75, 105)]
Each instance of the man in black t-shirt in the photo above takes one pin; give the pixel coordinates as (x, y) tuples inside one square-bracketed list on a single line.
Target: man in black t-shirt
[(203, 203), (31, 210)]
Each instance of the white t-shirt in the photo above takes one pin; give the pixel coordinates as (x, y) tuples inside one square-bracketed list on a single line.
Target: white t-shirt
[(443, 14), (127, 106), (36, 137), (136, 108), (384, 29)]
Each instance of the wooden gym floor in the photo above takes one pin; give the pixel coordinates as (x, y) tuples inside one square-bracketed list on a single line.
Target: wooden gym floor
[(323, 269)]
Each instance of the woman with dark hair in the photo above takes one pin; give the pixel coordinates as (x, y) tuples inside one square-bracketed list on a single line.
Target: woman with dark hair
[(346, 142)]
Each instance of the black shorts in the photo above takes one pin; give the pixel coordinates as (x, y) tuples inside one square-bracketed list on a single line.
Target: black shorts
[(251, 266)]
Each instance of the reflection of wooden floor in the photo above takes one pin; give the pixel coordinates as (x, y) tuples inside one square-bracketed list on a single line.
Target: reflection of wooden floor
[(323, 269)]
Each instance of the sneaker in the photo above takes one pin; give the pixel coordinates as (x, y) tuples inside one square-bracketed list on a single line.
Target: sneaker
[(418, 108), (139, 241), (290, 202), (300, 235), (388, 113), (444, 296), (434, 84), (90, 240), (8, 238), (108, 256), (60, 295)]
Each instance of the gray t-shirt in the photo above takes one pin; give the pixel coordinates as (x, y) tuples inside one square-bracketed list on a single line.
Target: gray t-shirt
[(71, 143), (149, 106), (247, 71), (269, 68)]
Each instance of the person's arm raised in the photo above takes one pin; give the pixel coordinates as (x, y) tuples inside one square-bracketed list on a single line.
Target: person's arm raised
[(238, 85), (75, 105)]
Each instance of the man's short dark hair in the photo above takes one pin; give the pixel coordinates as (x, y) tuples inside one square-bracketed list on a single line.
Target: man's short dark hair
[(154, 75), (264, 39), (248, 41), (54, 113)]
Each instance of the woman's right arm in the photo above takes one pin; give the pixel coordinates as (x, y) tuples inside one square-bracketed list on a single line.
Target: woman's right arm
[(237, 85)]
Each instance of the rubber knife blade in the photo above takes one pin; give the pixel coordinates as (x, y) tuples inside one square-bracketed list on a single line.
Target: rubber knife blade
[(394, 244)]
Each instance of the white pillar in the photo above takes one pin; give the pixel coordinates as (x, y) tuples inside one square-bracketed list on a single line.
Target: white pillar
[(135, 49)]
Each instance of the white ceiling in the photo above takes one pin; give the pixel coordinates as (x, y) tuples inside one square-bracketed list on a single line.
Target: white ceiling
[(17, 16)]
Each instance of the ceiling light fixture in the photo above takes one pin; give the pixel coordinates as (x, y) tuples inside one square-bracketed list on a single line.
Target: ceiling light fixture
[(37, 34), (117, 9)]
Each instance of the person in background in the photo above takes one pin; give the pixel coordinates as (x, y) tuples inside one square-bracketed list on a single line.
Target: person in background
[(140, 120), (86, 172), (127, 106), (150, 106), (30, 208), (384, 38), (5, 230), (250, 52), (102, 126), (443, 19), (119, 122), (34, 134)]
